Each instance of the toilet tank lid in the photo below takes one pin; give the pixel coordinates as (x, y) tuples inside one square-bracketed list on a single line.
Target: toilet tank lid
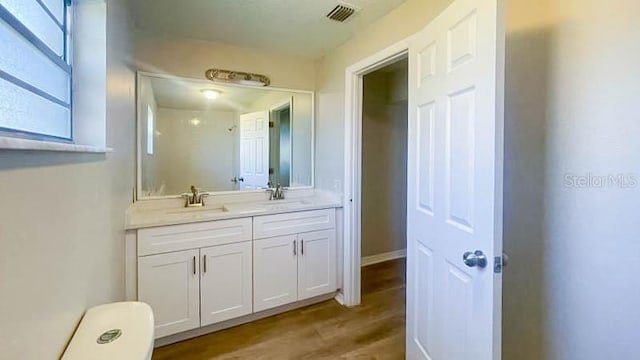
[(122, 330)]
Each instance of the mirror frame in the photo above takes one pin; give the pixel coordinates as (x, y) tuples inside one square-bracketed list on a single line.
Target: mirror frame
[(139, 132)]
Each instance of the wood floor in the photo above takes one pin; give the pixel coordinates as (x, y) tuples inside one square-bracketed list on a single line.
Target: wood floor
[(373, 330)]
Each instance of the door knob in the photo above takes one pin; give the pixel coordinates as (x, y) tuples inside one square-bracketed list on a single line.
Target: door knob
[(475, 259)]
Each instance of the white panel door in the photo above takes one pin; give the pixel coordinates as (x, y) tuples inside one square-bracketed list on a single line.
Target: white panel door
[(275, 272), (254, 150), (169, 283), (316, 263), (455, 184), (225, 282)]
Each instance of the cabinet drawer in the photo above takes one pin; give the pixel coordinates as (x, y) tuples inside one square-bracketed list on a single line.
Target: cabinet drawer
[(293, 223), (192, 236)]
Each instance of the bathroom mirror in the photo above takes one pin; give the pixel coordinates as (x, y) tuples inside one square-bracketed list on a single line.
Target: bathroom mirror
[(221, 137)]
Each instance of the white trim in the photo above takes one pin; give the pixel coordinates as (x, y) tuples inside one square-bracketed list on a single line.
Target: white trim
[(353, 162), (380, 258), (138, 188), (281, 105), (131, 265), (10, 143)]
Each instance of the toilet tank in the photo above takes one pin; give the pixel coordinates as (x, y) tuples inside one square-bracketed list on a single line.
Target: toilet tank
[(122, 330)]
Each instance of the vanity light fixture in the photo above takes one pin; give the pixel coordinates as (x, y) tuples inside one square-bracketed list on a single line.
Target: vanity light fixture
[(211, 94), (237, 77)]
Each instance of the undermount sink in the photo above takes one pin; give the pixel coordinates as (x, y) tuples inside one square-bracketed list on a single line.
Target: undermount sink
[(285, 203), (198, 210), (248, 208), (240, 208)]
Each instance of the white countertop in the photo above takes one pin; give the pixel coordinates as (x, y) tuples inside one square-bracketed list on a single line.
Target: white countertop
[(138, 218)]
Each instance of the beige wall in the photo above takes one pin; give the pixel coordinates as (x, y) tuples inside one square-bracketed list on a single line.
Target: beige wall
[(384, 161), (191, 58), (402, 22), (571, 84), (62, 237), (528, 72), (571, 107)]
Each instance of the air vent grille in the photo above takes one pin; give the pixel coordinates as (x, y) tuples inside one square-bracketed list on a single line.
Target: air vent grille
[(341, 13)]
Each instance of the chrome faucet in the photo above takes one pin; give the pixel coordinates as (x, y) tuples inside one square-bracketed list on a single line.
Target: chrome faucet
[(276, 193), (194, 198)]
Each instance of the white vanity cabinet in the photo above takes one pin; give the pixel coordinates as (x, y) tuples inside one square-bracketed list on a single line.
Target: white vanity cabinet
[(169, 283), (294, 257), (275, 262), (316, 263), (205, 284), (225, 282), (199, 274)]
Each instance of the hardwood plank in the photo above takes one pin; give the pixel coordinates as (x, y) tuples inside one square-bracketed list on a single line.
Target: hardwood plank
[(373, 330)]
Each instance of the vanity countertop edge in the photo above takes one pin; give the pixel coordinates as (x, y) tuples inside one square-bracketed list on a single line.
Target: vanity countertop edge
[(141, 219)]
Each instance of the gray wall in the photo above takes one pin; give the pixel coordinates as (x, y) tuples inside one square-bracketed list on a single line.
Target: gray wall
[(62, 228), (384, 161)]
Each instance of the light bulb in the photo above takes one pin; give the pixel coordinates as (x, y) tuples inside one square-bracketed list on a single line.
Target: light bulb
[(211, 94)]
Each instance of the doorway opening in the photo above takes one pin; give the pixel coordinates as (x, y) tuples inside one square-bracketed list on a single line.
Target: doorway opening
[(383, 190), (280, 143), (387, 66)]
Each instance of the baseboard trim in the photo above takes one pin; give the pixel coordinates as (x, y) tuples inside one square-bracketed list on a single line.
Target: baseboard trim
[(375, 259)]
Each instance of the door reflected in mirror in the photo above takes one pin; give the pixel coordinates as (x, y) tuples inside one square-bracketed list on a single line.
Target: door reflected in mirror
[(221, 137)]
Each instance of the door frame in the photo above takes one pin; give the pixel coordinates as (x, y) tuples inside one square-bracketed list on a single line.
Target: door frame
[(277, 107), (352, 214)]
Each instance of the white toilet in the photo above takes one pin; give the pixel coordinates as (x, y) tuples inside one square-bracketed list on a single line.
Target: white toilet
[(122, 331)]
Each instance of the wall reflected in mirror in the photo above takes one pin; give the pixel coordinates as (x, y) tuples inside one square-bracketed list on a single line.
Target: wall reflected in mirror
[(221, 137)]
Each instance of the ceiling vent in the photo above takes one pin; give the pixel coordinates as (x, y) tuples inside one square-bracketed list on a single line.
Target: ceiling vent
[(342, 12)]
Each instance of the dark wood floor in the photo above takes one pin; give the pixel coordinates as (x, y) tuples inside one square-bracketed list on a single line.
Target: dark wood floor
[(374, 330)]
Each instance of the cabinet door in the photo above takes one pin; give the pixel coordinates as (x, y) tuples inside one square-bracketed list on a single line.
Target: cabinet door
[(275, 272), (225, 284), (316, 264), (169, 283)]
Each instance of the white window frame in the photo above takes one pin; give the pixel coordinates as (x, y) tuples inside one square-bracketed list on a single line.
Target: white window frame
[(87, 51)]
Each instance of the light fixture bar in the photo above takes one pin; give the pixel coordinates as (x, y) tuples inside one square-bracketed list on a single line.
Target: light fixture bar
[(237, 77)]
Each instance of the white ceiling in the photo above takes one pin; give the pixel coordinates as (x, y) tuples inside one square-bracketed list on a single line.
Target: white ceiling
[(294, 27), (183, 94), (187, 95)]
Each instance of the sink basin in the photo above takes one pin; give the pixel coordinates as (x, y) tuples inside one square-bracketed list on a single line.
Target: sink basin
[(285, 203), (249, 208), (198, 211)]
